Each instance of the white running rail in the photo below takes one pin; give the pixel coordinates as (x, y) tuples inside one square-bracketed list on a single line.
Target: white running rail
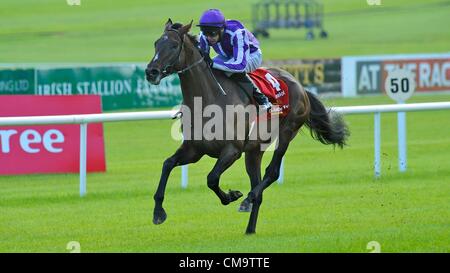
[(83, 120)]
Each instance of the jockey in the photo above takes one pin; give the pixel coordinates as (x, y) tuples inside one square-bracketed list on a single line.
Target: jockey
[(238, 50)]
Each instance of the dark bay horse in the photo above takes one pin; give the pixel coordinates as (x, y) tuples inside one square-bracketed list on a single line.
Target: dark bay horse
[(176, 51)]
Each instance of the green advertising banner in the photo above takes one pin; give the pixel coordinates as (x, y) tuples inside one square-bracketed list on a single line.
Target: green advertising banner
[(120, 86), (17, 82), (123, 86), (167, 93)]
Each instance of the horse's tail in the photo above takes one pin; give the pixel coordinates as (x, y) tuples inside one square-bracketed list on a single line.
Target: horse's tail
[(327, 127)]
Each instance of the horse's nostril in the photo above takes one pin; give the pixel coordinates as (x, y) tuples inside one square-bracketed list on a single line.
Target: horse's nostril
[(154, 72)]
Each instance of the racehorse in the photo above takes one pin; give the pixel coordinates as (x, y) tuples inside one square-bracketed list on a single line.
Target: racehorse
[(176, 51)]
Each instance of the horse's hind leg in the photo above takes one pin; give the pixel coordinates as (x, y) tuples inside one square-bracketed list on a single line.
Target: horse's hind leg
[(253, 167), (184, 155), (227, 157), (273, 170)]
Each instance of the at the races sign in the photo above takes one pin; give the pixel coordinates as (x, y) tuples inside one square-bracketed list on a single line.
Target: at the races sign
[(49, 148), (367, 75)]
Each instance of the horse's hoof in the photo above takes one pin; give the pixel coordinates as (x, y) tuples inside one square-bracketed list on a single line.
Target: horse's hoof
[(250, 232), (159, 217), (234, 195), (245, 206), (231, 196)]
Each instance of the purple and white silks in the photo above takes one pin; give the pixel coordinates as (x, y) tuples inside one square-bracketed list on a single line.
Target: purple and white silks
[(238, 50)]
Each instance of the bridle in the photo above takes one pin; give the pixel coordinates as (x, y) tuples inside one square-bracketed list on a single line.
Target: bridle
[(168, 68)]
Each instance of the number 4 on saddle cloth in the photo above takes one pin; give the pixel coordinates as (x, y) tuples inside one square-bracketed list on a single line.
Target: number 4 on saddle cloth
[(275, 89)]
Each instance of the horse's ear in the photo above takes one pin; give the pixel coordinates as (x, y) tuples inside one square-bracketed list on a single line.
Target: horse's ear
[(169, 24), (185, 29)]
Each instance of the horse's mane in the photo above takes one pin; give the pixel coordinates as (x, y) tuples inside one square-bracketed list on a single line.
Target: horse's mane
[(191, 37)]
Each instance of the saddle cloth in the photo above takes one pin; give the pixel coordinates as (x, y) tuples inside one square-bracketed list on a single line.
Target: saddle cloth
[(274, 88)]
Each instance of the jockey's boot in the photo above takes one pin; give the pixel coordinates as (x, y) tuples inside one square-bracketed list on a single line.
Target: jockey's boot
[(260, 98)]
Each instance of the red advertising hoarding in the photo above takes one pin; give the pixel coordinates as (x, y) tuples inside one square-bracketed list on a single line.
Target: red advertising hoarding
[(49, 148)]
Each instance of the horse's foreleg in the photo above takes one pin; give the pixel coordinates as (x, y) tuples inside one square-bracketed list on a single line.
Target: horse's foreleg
[(184, 155), (253, 167), (227, 157)]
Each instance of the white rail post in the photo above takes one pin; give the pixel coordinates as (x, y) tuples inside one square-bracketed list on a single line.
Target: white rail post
[(281, 177), (401, 122), (83, 156), (184, 173), (184, 176), (377, 144)]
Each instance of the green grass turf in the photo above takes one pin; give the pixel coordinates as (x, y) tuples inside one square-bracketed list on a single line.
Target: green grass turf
[(114, 30), (329, 201)]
